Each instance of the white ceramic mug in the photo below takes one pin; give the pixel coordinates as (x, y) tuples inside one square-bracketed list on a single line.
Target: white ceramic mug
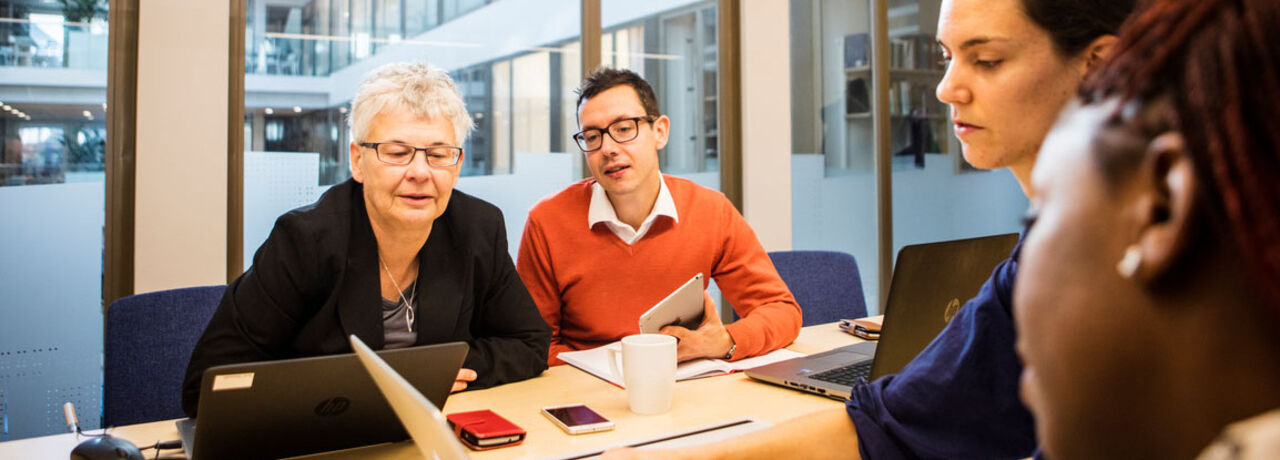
[(648, 371)]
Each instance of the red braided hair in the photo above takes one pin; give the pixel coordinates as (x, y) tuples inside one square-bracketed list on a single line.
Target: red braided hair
[(1219, 62)]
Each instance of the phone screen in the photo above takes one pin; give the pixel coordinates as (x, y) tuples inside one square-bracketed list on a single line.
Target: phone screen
[(575, 415)]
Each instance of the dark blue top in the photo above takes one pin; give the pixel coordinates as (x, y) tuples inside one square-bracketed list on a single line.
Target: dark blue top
[(959, 397)]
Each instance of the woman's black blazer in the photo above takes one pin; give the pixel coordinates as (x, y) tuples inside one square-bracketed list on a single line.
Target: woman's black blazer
[(316, 279)]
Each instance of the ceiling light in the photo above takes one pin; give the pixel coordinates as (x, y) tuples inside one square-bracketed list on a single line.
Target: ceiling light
[(342, 109), (7, 108), (104, 106), (297, 109), (87, 114), (268, 111)]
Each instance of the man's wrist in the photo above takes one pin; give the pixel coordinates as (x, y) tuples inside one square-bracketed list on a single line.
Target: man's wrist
[(733, 347)]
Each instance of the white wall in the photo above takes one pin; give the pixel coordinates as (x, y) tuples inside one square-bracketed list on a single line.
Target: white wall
[(181, 194), (766, 121)]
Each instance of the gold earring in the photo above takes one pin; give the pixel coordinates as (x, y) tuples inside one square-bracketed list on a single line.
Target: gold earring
[(1128, 265)]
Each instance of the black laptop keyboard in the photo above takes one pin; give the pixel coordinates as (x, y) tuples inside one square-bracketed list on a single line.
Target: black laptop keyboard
[(845, 375)]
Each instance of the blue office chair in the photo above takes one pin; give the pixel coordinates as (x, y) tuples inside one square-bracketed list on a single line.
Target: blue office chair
[(149, 338), (826, 284)]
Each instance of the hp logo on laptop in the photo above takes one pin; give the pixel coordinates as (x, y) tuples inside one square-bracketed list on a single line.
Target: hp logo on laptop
[(332, 406), (953, 307)]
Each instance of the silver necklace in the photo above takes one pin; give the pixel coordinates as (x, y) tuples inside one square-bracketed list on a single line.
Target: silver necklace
[(408, 303)]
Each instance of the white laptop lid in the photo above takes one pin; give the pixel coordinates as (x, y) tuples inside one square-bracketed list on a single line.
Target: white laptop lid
[(425, 424)]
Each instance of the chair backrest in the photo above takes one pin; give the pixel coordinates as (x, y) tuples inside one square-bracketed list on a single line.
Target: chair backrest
[(826, 284), (149, 338)]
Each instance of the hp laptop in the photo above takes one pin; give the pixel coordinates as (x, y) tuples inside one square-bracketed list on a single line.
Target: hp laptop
[(931, 282), (274, 409)]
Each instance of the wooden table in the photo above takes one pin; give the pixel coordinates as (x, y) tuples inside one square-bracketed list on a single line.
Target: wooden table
[(697, 402)]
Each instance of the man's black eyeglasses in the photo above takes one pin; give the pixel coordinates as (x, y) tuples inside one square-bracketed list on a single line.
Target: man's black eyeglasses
[(624, 130)]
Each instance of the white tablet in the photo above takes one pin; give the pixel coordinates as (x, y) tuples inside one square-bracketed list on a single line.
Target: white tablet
[(682, 308)]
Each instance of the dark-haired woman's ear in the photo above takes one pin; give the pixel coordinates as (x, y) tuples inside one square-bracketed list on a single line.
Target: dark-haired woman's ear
[(1164, 209), (1099, 51)]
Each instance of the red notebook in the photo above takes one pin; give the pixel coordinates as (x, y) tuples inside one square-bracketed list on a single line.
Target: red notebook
[(484, 429)]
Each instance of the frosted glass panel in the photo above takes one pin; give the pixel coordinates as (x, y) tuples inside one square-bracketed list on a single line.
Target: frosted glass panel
[(50, 310), (53, 80)]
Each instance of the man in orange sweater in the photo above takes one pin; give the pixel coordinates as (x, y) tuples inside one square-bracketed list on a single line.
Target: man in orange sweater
[(598, 254)]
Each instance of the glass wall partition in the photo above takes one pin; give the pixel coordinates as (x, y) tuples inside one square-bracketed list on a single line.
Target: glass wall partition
[(53, 80), (281, 35), (673, 45), (935, 195), (833, 184), (515, 76), (47, 35)]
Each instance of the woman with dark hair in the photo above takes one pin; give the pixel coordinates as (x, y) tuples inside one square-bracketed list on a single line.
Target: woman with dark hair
[(1155, 328), (1012, 67)]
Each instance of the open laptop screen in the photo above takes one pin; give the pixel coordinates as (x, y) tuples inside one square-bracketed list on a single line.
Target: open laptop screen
[(276, 409)]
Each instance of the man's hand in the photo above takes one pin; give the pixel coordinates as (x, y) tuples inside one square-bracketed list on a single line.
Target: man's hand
[(709, 340), (464, 375)]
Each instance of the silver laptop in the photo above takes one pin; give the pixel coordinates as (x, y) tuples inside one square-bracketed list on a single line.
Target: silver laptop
[(930, 284), (292, 407), (433, 437), (424, 422)]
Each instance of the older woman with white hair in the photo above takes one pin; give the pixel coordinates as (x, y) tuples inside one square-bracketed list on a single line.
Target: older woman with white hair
[(394, 255)]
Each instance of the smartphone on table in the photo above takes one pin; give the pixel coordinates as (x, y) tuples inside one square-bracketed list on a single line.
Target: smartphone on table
[(577, 419)]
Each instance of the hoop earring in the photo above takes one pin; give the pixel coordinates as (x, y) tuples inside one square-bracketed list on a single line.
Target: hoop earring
[(1128, 265)]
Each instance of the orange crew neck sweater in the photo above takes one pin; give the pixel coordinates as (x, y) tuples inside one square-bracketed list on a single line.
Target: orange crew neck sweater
[(591, 287)]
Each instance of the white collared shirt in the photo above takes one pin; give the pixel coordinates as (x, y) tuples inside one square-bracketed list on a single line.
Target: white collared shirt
[(601, 211)]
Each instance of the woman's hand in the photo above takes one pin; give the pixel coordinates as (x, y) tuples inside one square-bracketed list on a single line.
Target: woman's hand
[(464, 375)]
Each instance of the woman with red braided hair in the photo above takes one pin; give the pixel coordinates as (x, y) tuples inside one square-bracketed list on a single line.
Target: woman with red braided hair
[(1148, 301)]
